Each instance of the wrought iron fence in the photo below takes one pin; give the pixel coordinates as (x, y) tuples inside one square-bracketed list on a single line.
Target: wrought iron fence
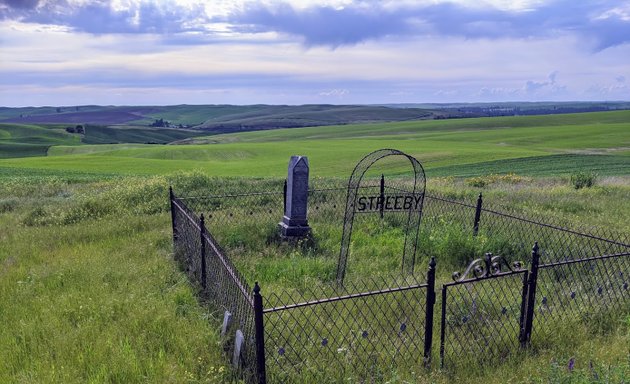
[(208, 266), (484, 313), (518, 233), (371, 327), (580, 290), (355, 335)]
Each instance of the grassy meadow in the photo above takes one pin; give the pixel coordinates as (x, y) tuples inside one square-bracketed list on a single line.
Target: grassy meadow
[(89, 291)]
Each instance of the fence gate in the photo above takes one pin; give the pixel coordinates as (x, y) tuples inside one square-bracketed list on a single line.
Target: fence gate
[(483, 313)]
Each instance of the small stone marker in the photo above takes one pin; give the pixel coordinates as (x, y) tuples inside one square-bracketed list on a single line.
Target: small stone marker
[(295, 223), (238, 345), (227, 321)]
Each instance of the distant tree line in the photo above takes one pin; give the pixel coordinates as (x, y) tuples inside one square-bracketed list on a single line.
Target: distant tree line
[(498, 110), (166, 124), (160, 123), (78, 129)]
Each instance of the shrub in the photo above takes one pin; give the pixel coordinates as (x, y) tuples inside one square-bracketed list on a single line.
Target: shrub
[(482, 181), (583, 179), (35, 217), (8, 205), (478, 182)]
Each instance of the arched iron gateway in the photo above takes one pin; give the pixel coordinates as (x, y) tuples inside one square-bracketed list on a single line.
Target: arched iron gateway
[(398, 192)]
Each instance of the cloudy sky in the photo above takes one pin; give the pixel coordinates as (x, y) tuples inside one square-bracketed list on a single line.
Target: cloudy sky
[(76, 52)]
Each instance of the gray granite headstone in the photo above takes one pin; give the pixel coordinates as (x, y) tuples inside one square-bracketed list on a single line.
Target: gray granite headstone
[(295, 223), (238, 347), (227, 321)]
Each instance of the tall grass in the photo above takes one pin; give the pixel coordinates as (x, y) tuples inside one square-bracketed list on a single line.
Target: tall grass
[(89, 291), (97, 301)]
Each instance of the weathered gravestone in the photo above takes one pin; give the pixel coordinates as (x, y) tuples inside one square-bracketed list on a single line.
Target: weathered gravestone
[(294, 224), (237, 357), (386, 185), (227, 322)]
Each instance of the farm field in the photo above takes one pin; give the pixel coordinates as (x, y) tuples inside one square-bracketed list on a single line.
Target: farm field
[(220, 118), (597, 142), (89, 291), (21, 140)]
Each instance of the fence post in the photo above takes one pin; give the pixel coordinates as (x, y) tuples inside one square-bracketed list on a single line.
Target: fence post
[(259, 334), (202, 232), (531, 297), (443, 326), (428, 322), (382, 194), (477, 215), (521, 319), (172, 200)]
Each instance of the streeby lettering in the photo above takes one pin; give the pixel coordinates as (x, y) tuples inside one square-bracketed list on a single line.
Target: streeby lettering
[(389, 203)]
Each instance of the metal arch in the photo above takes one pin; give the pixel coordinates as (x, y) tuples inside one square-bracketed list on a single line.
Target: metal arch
[(413, 220)]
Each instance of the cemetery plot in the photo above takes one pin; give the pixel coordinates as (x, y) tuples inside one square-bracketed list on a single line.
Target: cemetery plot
[(301, 320)]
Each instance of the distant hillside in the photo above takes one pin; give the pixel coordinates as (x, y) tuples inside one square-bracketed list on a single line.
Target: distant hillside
[(556, 145), (519, 108), (25, 140), (89, 114), (282, 116), (98, 134), (214, 118), (22, 140)]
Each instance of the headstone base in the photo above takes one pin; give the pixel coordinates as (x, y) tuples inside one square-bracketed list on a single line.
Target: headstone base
[(293, 231)]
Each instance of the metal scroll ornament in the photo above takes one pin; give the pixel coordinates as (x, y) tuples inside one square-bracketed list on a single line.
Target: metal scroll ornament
[(487, 266)]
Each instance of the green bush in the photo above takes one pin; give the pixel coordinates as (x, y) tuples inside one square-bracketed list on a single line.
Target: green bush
[(8, 205), (583, 179)]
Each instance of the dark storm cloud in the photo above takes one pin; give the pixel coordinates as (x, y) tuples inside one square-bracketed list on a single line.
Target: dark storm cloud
[(99, 17), (592, 22), (356, 23), (322, 25), (20, 4)]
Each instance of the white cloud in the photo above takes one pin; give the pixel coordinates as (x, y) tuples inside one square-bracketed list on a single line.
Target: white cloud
[(212, 59), (340, 93)]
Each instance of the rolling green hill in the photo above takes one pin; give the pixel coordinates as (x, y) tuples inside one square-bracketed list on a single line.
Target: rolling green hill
[(97, 134), (500, 126), (215, 118), (26, 140), (282, 116), (21, 140), (534, 145)]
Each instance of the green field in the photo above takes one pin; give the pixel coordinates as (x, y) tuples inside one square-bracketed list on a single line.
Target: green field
[(28, 140), (600, 141), (97, 134), (20, 140), (218, 118), (89, 291)]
